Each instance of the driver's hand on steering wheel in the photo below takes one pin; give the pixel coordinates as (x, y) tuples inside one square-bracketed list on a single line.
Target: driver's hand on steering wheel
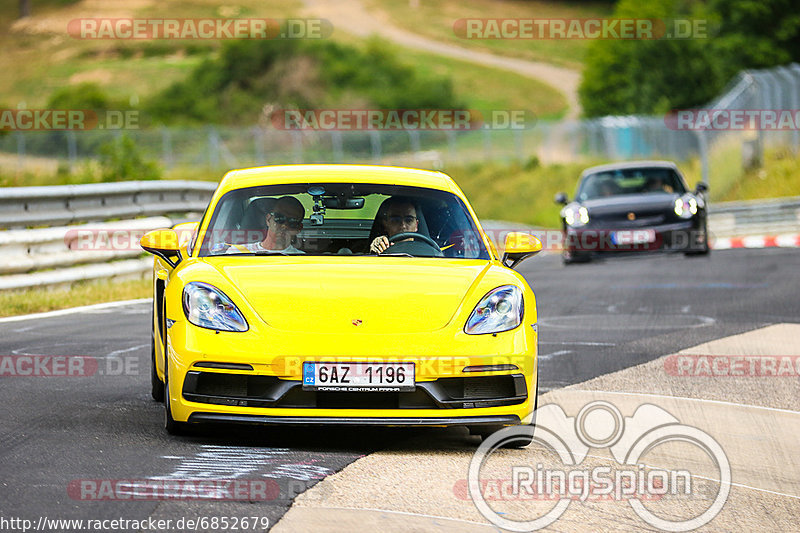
[(379, 244)]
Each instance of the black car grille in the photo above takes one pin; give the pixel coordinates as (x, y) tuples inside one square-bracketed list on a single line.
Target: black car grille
[(268, 391), (621, 220)]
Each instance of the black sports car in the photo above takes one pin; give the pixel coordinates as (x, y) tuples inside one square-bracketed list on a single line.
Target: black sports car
[(632, 207)]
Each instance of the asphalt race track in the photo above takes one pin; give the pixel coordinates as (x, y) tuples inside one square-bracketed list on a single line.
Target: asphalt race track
[(597, 318)]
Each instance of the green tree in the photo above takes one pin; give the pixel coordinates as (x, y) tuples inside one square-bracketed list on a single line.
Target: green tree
[(121, 160), (655, 76), (648, 76), (755, 34)]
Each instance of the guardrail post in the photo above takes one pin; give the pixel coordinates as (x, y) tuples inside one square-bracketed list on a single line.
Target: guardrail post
[(451, 144), (297, 144), (166, 147), (375, 144), (336, 141), (72, 149), (213, 148), (258, 145), (20, 151), (702, 144), (413, 137)]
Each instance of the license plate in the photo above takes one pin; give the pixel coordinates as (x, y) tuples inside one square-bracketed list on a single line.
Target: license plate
[(358, 377), (637, 236)]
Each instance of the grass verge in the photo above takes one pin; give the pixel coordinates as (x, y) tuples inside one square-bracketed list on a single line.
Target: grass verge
[(23, 302)]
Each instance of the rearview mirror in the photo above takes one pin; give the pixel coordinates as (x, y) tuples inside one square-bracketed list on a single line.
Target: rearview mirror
[(163, 243), (520, 246), (337, 202), (561, 198), (701, 187)]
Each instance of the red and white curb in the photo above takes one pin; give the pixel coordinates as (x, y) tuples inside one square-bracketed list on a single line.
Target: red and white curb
[(787, 240)]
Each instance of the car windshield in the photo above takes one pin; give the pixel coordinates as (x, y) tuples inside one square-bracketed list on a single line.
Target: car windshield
[(649, 180), (341, 219)]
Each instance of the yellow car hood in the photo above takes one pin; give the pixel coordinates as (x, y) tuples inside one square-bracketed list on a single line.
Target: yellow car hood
[(373, 295)]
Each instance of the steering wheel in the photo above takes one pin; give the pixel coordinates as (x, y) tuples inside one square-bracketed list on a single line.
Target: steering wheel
[(400, 246)]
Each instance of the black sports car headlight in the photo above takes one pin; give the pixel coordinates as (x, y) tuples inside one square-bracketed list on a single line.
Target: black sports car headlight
[(576, 215), (208, 307), (686, 206)]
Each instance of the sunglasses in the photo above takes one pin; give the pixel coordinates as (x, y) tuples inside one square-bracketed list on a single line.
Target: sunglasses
[(293, 223), (399, 219)]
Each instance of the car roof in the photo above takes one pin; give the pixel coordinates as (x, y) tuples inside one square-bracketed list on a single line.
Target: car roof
[(325, 173), (630, 164)]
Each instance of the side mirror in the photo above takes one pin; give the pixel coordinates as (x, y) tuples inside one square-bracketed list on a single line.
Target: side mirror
[(701, 187), (561, 198), (163, 243), (187, 233), (520, 246)]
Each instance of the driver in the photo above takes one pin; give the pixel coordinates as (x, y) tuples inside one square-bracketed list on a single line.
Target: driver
[(399, 216)]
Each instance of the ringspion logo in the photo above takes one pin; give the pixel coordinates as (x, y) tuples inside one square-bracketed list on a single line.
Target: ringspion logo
[(598, 425)]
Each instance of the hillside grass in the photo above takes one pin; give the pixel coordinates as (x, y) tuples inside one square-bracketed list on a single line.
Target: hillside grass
[(436, 19), (40, 58)]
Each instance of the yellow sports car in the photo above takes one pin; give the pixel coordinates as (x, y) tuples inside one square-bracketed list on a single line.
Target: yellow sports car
[(342, 294)]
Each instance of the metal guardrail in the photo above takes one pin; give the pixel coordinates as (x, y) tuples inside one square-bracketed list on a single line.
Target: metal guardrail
[(47, 256), (70, 251), (755, 216), (22, 207)]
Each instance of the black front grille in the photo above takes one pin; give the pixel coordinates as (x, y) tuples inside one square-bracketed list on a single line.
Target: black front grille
[(621, 220), (269, 391)]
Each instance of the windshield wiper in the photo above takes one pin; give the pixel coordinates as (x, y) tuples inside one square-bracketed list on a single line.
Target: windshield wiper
[(397, 254), (271, 252)]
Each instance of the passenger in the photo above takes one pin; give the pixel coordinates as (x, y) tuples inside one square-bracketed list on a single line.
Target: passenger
[(284, 222), (399, 216)]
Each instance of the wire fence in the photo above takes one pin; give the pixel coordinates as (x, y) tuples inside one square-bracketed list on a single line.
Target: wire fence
[(724, 152)]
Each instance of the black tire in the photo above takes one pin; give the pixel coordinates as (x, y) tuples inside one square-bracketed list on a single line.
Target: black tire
[(156, 385), (570, 258), (704, 249)]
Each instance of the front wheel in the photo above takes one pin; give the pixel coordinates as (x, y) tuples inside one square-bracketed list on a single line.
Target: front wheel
[(172, 427), (156, 385), (703, 248)]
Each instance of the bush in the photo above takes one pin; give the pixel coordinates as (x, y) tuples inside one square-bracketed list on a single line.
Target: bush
[(121, 160), (233, 88)]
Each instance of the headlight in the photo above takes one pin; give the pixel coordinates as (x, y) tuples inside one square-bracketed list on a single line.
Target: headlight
[(686, 206), (208, 307), (500, 310), (576, 216)]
